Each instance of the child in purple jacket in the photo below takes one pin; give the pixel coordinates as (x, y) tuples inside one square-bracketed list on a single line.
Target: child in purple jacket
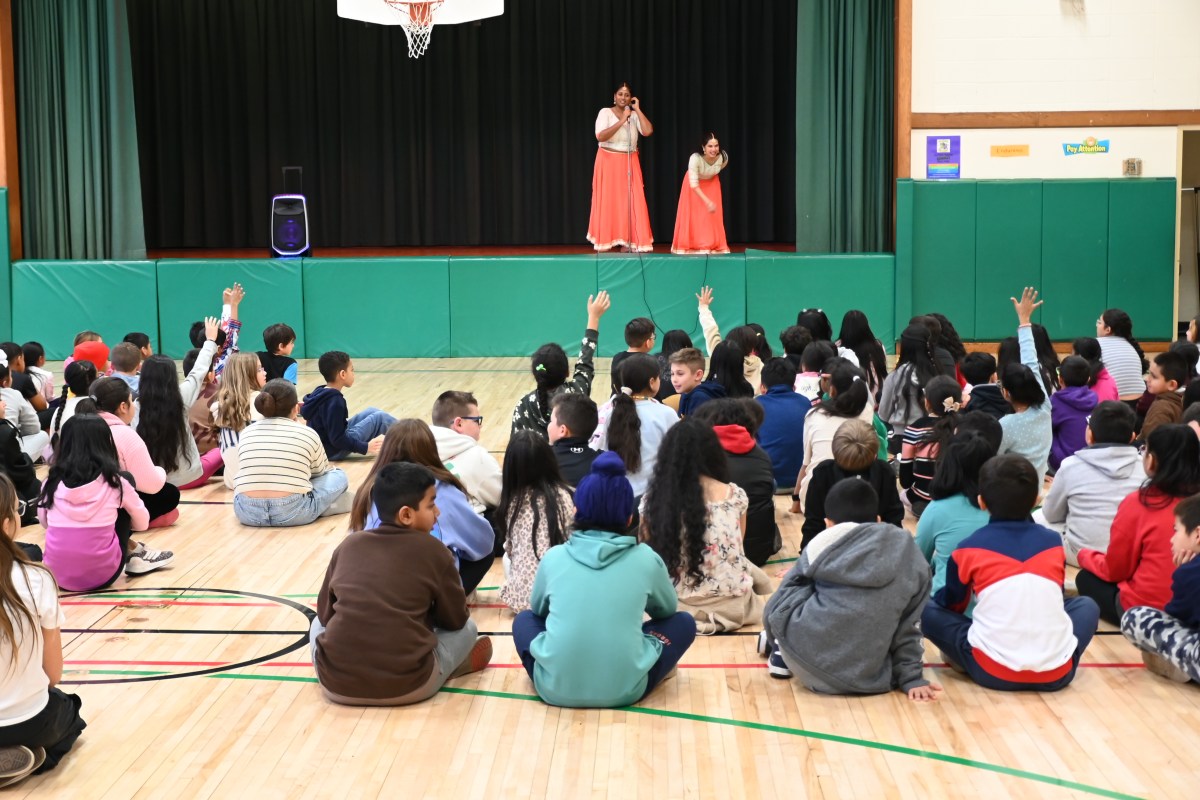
[(1070, 407)]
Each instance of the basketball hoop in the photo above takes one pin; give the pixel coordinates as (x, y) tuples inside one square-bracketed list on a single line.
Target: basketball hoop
[(416, 17)]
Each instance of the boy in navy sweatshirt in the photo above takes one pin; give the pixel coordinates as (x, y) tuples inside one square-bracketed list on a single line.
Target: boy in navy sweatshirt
[(1021, 636), (325, 411), (1170, 639)]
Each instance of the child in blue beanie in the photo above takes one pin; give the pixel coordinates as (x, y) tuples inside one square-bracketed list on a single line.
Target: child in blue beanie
[(583, 642)]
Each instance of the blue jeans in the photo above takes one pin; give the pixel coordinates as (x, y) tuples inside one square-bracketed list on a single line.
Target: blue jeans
[(293, 509), (365, 426), (948, 631), (676, 632)]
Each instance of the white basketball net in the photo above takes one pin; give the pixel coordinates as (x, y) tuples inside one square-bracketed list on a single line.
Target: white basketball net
[(417, 20)]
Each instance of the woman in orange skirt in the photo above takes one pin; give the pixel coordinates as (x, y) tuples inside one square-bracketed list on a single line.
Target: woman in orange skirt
[(700, 221), (619, 215)]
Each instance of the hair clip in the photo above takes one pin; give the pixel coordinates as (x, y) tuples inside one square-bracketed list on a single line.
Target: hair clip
[(858, 378), (948, 405), (540, 368), (625, 390), (3, 359), (93, 398)]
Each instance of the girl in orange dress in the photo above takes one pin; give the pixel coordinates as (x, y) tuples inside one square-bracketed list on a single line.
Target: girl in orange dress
[(700, 221), (619, 215)]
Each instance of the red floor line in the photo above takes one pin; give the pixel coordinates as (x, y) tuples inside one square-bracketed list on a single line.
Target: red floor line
[(149, 602), (762, 665)]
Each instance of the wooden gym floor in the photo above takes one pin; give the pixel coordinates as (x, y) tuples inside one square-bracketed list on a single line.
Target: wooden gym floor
[(196, 683)]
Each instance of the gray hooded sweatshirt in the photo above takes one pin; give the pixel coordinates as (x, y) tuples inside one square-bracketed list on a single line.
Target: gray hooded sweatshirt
[(1088, 487), (847, 613)]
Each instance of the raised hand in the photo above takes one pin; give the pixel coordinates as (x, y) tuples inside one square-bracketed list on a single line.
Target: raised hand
[(596, 306), (1026, 305), (211, 326), (706, 295)]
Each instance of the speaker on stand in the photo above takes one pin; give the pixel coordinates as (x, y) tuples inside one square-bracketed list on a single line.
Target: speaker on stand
[(289, 226)]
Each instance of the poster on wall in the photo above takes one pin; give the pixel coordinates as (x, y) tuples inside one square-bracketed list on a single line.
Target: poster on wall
[(943, 157), (1091, 146)]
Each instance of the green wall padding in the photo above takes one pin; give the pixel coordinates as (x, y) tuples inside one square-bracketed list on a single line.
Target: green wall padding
[(6, 285), (190, 289), (1008, 253), (664, 288), (1141, 254), (779, 285), (943, 253), (394, 307), (512, 306), (1074, 255), (54, 300)]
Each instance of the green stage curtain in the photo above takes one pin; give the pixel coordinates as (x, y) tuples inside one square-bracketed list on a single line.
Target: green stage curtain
[(845, 54), (80, 185)]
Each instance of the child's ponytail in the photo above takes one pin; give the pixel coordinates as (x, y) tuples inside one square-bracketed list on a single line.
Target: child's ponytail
[(848, 391), (550, 368), (944, 397), (624, 426)]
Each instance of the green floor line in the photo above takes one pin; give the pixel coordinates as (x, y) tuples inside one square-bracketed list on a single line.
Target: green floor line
[(781, 561), (184, 596)]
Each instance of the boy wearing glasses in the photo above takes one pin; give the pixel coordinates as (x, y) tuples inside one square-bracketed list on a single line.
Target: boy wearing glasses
[(457, 424)]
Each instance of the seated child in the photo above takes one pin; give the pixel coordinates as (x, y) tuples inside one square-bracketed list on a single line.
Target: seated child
[(639, 336), (142, 342), (573, 419), (92, 350), (18, 466), (736, 425), (126, 361), (983, 393), (233, 410), (78, 378), (844, 619), (1168, 376), (35, 368), (583, 641), (534, 514), (1170, 639), (1101, 382), (280, 341), (638, 422), (200, 416), (1022, 635), (855, 447), (687, 376), (230, 326), (782, 431), (924, 438), (399, 579), (1070, 408), (81, 338), (693, 517), (1090, 485), (457, 424), (849, 398), (954, 514), (34, 715), (549, 366), (794, 339), (1027, 431), (15, 358), (325, 410), (1136, 568), (672, 342), (745, 337), (17, 410), (812, 361)]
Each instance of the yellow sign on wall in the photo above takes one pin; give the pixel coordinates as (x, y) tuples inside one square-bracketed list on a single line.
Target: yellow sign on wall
[(1009, 150)]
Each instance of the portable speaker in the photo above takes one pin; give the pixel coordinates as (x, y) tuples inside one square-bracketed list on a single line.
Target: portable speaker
[(289, 226)]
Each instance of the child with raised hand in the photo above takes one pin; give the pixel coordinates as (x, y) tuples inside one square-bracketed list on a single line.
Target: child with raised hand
[(901, 402), (284, 478), (924, 440), (583, 641), (16, 409), (89, 511), (549, 366), (534, 514), (1022, 635), (392, 622), (39, 723), (1170, 639), (1070, 408), (1028, 430), (163, 404), (1136, 568), (844, 619), (953, 513), (638, 422), (277, 361), (745, 337), (849, 398), (464, 532), (855, 455), (695, 519), (234, 407), (112, 400), (325, 411)]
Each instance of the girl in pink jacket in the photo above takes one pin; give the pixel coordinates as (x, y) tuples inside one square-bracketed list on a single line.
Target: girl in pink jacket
[(89, 511)]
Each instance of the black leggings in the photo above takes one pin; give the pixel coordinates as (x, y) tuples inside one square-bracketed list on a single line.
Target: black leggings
[(1107, 595), (161, 502), (55, 727), (124, 530), (473, 572)]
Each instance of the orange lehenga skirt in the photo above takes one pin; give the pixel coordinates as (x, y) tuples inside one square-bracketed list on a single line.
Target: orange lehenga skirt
[(696, 230), (613, 207)]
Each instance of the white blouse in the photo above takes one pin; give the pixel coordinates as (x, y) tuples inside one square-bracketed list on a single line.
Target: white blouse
[(625, 139), (700, 170)]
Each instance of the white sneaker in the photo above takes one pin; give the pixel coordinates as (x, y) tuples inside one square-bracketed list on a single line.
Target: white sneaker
[(143, 560)]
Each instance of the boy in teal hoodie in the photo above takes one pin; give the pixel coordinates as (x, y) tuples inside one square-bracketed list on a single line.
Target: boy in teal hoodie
[(583, 642)]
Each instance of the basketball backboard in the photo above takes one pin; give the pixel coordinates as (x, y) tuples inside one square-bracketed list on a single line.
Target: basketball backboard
[(450, 12)]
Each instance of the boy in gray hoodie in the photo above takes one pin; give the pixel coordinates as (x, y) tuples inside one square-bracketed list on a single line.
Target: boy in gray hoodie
[(1088, 487), (844, 620)]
